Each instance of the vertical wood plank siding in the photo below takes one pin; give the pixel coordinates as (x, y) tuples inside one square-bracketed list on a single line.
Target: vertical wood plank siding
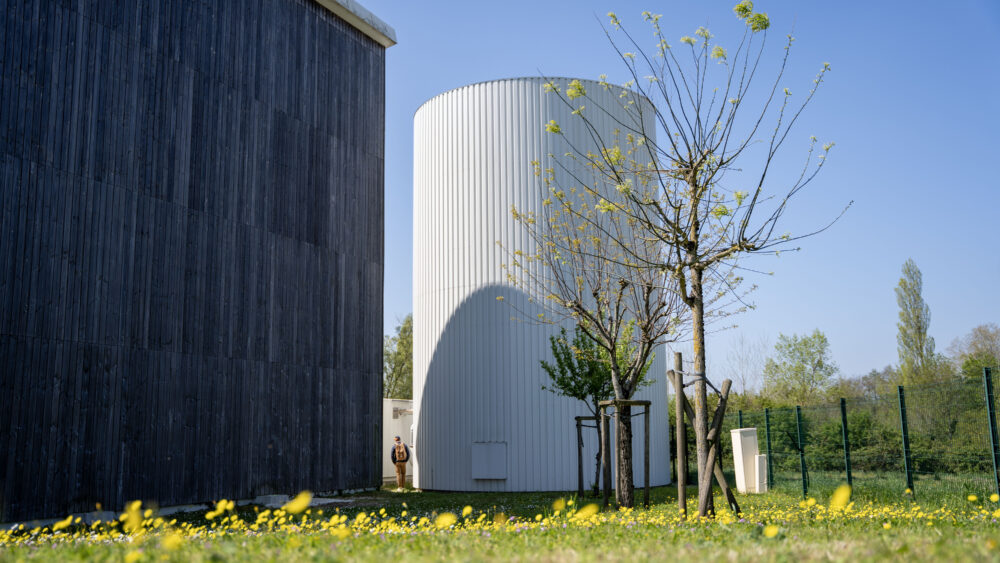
[(191, 234), (476, 372)]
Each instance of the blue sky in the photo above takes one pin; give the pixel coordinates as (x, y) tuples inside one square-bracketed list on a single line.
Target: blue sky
[(911, 103)]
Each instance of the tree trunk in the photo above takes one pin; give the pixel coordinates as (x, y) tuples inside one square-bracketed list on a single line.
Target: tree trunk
[(624, 494), (700, 396)]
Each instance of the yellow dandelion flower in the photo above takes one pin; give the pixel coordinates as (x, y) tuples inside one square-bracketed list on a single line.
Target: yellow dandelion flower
[(972, 498), (559, 504), (133, 556), (299, 503), (770, 531), (132, 517), (886, 525), (445, 520), (586, 512), (466, 511), (840, 497), (995, 497), (62, 524), (172, 541)]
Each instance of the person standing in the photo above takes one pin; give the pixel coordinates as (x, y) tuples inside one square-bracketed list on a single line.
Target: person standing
[(400, 454)]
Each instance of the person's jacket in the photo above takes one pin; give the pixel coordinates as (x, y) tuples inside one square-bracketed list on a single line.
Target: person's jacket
[(392, 453)]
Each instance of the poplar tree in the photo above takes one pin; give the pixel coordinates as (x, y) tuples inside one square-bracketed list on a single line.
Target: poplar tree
[(914, 344)]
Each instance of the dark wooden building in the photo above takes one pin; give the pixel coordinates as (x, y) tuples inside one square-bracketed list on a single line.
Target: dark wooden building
[(191, 236)]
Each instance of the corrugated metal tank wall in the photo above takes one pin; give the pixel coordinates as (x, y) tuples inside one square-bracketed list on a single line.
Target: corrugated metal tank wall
[(479, 407)]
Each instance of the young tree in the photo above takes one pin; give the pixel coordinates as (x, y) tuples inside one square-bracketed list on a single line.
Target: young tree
[(397, 362), (917, 360), (582, 371), (587, 266), (705, 192), (801, 369)]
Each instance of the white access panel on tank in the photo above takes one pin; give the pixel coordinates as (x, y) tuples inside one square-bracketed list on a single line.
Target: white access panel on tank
[(476, 373)]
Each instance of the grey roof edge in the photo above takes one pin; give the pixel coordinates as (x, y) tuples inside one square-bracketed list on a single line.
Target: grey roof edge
[(366, 22)]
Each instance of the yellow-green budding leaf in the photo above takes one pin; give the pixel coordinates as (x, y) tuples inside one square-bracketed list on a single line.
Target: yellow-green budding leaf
[(744, 9), (758, 22), (575, 90)]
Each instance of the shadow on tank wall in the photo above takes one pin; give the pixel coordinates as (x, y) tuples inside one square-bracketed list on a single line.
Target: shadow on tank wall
[(483, 405)]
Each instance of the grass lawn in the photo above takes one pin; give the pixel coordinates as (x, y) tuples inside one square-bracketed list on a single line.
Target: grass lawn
[(887, 486), (390, 526)]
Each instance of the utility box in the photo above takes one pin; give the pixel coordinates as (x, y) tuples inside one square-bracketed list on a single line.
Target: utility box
[(745, 454), (761, 480)]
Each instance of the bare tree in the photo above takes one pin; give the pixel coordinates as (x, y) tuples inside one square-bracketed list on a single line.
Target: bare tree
[(702, 197), (745, 360), (583, 267)]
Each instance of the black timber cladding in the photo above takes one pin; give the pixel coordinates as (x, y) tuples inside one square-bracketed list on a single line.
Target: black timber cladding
[(191, 232)]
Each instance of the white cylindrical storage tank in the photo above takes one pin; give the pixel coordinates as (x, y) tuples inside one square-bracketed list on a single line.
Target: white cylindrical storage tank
[(482, 420)]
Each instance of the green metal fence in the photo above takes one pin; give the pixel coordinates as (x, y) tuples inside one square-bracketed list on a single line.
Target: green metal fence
[(936, 440)]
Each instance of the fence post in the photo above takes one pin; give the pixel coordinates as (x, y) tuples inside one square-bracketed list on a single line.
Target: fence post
[(992, 422), (847, 442), (680, 440), (605, 454), (906, 440), (579, 459), (802, 451), (645, 457), (767, 435), (740, 413)]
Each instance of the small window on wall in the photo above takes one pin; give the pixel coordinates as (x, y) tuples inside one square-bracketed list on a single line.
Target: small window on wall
[(489, 460)]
